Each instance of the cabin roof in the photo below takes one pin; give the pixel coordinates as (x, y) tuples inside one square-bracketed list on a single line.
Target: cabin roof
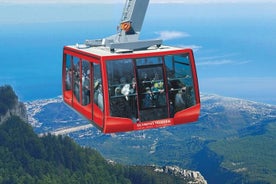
[(105, 51)]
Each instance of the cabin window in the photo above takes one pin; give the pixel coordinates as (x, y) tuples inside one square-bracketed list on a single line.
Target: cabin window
[(98, 88), (122, 88), (152, 98), (68, 74), (180, 82), (145, 89), (151, 83), (86, 76), (149, 61), (76, 78)]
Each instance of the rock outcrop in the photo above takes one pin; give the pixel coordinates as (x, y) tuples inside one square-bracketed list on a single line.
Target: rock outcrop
[(193, 177), (10, 105), (18, 110)]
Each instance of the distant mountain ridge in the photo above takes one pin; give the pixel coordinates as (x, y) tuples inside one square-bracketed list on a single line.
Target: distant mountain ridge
[(237, 112), (222, 121)]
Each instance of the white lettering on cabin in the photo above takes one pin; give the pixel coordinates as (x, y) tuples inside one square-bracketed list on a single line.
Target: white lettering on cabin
[(162, 122), (153, 123)]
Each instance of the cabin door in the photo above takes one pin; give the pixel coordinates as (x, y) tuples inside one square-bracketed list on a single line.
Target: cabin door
[(152, 96)]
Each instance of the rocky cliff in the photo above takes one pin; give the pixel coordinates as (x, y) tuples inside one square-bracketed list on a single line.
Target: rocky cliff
[(10, 105), (194, 177)]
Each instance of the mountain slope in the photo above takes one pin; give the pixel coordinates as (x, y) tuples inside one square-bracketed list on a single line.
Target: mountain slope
[(49, 159), (248, 145), (250, 155), (26, 158), (224, 121)]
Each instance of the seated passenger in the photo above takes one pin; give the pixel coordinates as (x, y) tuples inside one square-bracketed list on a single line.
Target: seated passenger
[(68, 78), (147, 101), (98, 94), (159, 96), (145, 82), (126, 90), (180, 100), (133, 86), (86, 88), (117, 91), (100, 97)]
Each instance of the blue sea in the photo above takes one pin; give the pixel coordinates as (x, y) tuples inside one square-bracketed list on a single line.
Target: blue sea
[(234, 44)]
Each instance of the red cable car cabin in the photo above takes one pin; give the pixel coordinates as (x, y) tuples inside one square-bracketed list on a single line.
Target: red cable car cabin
[(121, 92)]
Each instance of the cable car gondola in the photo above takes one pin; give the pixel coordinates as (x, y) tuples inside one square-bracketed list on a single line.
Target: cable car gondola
[(121, 83)]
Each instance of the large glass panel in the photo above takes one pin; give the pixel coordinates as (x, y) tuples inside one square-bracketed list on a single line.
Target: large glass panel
[(180, 82), (152, 90), (157, 94), (148, 61), (122, 89), (98, 90), (68, 74), (76, 78), (86, 82), (151, 87)]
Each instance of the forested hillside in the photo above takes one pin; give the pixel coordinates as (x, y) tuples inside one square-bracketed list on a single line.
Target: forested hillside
[(27, 158)]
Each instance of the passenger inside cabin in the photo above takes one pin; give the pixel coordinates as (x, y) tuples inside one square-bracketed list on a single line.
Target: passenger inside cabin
[(146, 82), (159, 97), (180, 99), (68, 78), (117, 91), (126, 90), (98, 94), (76, 79), (148, 99), (133, 86), (86, 87)]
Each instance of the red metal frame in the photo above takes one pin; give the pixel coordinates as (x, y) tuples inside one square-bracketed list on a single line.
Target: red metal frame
[(114, 124)]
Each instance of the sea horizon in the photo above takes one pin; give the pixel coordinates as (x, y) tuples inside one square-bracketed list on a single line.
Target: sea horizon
[(234, 54)]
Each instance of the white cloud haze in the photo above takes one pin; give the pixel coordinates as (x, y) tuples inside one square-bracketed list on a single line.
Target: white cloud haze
[(170, 35), (222, 62)]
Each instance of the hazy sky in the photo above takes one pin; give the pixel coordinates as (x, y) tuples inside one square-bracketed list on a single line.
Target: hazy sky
[(234, 44)]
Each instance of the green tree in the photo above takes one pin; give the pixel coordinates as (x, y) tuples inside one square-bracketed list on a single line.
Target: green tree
[(27, 158)]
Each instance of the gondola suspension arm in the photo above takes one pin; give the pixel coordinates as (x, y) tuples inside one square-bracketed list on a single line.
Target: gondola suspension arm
[(130, 27)]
